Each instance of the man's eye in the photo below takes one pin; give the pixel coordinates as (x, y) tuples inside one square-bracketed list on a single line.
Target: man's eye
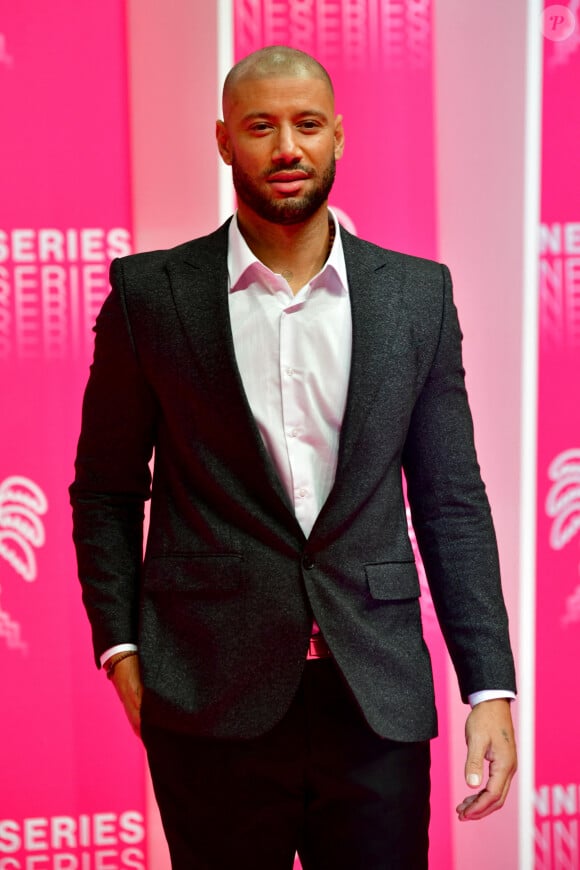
[(309, 125), (261, 127)]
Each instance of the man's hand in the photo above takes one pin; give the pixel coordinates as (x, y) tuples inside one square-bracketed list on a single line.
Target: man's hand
[(489, 734), (127, 681)]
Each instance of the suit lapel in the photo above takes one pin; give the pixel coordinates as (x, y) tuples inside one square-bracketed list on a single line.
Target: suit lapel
[(199, 285), (375, 284)]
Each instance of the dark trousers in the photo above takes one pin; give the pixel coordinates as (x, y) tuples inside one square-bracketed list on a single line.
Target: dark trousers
[(320, 783)]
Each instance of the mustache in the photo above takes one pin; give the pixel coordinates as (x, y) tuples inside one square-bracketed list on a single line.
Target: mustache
[(290, 167)]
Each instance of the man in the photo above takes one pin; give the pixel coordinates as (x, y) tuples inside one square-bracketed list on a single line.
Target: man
[(269, 646)]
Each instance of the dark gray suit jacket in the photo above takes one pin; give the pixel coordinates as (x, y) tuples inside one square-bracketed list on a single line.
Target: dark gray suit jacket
[(222, 604)]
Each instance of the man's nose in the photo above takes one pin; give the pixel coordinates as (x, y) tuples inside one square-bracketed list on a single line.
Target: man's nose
[(287, 146)]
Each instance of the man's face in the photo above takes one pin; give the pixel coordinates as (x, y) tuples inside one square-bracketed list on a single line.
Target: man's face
[(281, 138)]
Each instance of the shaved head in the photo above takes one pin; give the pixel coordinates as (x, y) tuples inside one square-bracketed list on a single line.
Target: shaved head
[(274, 61)]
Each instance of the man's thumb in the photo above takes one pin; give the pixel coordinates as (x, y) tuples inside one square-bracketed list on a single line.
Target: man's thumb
[(474, 770)]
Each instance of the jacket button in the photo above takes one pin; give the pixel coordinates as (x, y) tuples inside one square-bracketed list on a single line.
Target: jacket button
[(307, 561)]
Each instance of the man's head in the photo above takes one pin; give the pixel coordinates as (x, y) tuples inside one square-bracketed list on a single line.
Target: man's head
[(280, 134), (274, 61)]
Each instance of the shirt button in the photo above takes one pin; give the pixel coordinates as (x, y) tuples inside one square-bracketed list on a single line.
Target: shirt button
[(307, 561), (293, 433), (302, 493)]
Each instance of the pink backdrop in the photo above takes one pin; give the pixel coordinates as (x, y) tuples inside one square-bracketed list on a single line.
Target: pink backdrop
[(71, 787), (72, 782), (558, 516)]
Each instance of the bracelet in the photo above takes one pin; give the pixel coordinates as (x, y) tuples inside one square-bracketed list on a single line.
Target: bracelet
[(112, 663)]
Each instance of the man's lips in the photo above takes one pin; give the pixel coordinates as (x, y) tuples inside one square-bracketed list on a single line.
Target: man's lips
[(288, 182)]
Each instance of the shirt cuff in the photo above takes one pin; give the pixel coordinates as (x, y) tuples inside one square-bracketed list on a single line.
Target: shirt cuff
[(120, 647), (490, 695)]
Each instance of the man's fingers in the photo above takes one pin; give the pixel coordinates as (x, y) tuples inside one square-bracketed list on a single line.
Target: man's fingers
[(132, 706), (490, 798), (474, 764), (476, 806), (127, 682), (467, 802)]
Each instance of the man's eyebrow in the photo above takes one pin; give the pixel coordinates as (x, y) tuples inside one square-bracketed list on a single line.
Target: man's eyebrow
[(307, 113)]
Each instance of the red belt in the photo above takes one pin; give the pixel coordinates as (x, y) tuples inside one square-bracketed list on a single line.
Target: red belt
[(318, 648)]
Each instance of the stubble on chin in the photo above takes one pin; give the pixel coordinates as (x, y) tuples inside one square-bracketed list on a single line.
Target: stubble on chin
[(294, 209)]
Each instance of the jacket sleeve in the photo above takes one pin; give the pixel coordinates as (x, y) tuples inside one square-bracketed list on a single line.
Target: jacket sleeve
[(112, 477), (452, 518)]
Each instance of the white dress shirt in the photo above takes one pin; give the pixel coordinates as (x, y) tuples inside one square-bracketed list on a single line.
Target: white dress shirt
[(293, 352)]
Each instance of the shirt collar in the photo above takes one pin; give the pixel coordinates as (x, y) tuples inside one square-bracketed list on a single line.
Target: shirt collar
[(243, 264)]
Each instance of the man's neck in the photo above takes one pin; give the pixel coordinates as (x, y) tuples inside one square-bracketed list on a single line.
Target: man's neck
[(297, 251)]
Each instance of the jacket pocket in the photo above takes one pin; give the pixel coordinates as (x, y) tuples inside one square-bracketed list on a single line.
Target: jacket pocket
[(393, 581)]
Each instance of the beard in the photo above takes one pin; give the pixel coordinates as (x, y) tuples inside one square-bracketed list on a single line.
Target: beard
[(293, 209)]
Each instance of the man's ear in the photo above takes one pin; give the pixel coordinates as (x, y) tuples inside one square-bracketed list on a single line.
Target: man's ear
[(223, 142), (338, 137)]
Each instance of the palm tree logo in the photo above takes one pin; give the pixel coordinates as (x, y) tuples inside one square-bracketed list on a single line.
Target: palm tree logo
[(563, 500), (22, 505), (563, 504)]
